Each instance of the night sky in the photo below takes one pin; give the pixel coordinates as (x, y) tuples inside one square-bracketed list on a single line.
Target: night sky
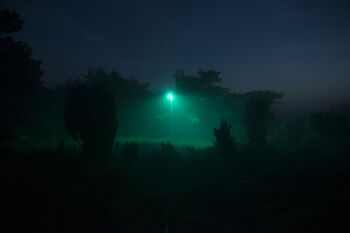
[(298, 47)]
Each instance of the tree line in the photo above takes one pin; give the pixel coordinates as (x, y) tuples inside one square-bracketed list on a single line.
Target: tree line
[(94, 108)]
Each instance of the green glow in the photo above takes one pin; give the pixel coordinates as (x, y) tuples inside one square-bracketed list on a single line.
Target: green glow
[(193, 119), (162, 116), (170, 97)]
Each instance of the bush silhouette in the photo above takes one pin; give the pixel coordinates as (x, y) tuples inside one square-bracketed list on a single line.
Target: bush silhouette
[(130, 153), (224, 142), (167, 149), (258, 114), (332, 125), (296, 129), (90, 119)]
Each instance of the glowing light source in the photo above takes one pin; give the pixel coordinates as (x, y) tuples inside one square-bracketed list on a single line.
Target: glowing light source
[(170, 97)]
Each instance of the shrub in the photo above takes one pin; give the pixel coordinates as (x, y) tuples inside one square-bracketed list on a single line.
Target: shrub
[(332, 125), (90, 119), (224, 142), (296, 129), (130, 153)]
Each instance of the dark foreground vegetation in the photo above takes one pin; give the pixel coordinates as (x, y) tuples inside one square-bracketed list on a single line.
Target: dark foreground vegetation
[(195, 191), (262, 173)]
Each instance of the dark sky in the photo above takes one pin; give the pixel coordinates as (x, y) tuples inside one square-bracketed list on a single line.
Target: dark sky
[(298, 47)]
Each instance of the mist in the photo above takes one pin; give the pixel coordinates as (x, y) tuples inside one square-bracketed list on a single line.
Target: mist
[(184, 146)]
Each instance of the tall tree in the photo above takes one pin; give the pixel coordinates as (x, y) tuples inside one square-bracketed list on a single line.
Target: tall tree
[(258, 113), (20, 74)]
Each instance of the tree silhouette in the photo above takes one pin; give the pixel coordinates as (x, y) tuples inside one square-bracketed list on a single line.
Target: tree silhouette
[(258, 113), (224, 142), (20, 75), (10, 22), (130, 96), (90, 119), (205, 97), (205, 83), (296, 129), (332, 125), (124, 89)]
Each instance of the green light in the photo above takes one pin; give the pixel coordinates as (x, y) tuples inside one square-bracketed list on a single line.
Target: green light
[(170, 97)]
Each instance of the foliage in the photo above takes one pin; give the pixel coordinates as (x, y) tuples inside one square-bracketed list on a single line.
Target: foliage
[(270, 190), (332, 125), (258, 113), (20, 75), (207, 82), (287, 191), (205, 97), (124, 89), (10, 22), (224, 142), (130, 96), (130, 153), (90, 118), (167, 149), (296, 129)]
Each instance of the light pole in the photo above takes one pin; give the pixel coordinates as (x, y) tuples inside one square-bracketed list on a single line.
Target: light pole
[(171, 98)]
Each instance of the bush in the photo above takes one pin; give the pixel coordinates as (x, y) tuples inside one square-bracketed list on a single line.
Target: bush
[(130, 153), (224, 142), (296, 129), (90, 119), (332, 125)]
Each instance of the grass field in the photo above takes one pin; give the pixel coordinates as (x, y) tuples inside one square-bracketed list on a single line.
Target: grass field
[(28, 144)]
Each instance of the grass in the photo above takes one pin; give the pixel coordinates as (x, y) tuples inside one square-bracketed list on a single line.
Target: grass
[(256, 191)]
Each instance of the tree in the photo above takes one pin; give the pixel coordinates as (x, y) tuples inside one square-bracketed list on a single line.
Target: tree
[(90, 118), (204, 97), (258, 113), (332, 125), (10, 22), (296, 129), (124, 89), (209, 78), (205, 83), (20, 75), (131, 97), (224, 142)]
